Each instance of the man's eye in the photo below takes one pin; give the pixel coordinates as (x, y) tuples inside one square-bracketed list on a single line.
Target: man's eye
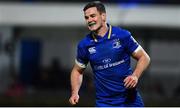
[(86, 17), (93, 16)]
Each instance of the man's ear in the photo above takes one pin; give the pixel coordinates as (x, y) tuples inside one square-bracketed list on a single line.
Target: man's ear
[(103, 15)]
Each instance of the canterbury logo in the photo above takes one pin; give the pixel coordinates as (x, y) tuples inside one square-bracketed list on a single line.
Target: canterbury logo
[(92, 50)]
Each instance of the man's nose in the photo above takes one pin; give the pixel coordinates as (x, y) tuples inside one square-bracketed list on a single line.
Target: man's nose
[(90, 20)]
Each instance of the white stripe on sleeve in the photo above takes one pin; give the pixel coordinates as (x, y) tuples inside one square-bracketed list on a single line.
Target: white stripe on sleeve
[(80, 64), (138, 48)]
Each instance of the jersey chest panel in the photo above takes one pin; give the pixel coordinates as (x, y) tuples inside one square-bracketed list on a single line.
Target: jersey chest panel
[(106, 52)]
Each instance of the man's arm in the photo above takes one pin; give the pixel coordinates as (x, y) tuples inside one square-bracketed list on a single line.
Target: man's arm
[(76, 81), (143, 61)]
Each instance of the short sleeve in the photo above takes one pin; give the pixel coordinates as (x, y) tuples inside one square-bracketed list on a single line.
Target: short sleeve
[(81, 56), (130, 43)]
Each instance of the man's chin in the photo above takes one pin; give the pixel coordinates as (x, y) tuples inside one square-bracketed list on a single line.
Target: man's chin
[(92, 29)]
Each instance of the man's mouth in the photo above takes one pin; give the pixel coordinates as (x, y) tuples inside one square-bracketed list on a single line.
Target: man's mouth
[(91, 23)]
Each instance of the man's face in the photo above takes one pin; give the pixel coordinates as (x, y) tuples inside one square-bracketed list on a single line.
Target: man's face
[(94, 19)]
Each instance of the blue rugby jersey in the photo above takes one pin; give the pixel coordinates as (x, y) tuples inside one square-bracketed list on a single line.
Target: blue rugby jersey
[(109, 57)]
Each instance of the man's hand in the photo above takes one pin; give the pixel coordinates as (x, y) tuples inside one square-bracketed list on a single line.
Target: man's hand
[(74, 99), (130, 81)]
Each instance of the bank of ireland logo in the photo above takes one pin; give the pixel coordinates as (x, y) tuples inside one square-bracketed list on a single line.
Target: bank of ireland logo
[(92, 50), (106, 60), (116, 43)]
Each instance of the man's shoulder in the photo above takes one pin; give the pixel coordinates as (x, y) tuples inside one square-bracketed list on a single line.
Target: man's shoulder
[(121, 32), (85, 41)]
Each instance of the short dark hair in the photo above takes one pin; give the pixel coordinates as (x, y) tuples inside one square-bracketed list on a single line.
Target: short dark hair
[(99, 5)]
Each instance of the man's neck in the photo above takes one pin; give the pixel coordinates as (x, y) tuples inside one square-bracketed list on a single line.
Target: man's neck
[(102, 31)]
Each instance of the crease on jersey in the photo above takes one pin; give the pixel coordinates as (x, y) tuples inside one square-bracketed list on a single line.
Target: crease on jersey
[(80, 64)]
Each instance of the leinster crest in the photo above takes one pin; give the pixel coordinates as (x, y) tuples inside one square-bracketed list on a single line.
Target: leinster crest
[(116, 43)]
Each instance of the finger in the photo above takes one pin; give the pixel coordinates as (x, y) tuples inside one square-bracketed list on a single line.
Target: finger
[(72, 101), (76, 100), (126, 80), (134, 85), (129, 84)]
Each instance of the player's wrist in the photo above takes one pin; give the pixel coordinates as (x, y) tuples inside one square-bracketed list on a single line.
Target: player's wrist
[(74, 93), (136, 76)]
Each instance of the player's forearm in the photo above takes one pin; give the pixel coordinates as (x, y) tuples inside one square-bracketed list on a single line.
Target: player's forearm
[(76, 81), (142, 65)]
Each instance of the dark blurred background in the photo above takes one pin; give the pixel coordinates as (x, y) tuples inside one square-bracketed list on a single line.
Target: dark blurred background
[(38, 41)]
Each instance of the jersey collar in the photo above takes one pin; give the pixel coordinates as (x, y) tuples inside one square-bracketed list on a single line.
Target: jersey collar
[(109, 33)]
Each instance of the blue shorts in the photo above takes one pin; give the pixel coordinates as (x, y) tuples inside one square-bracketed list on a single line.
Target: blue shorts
[(131, 98)]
